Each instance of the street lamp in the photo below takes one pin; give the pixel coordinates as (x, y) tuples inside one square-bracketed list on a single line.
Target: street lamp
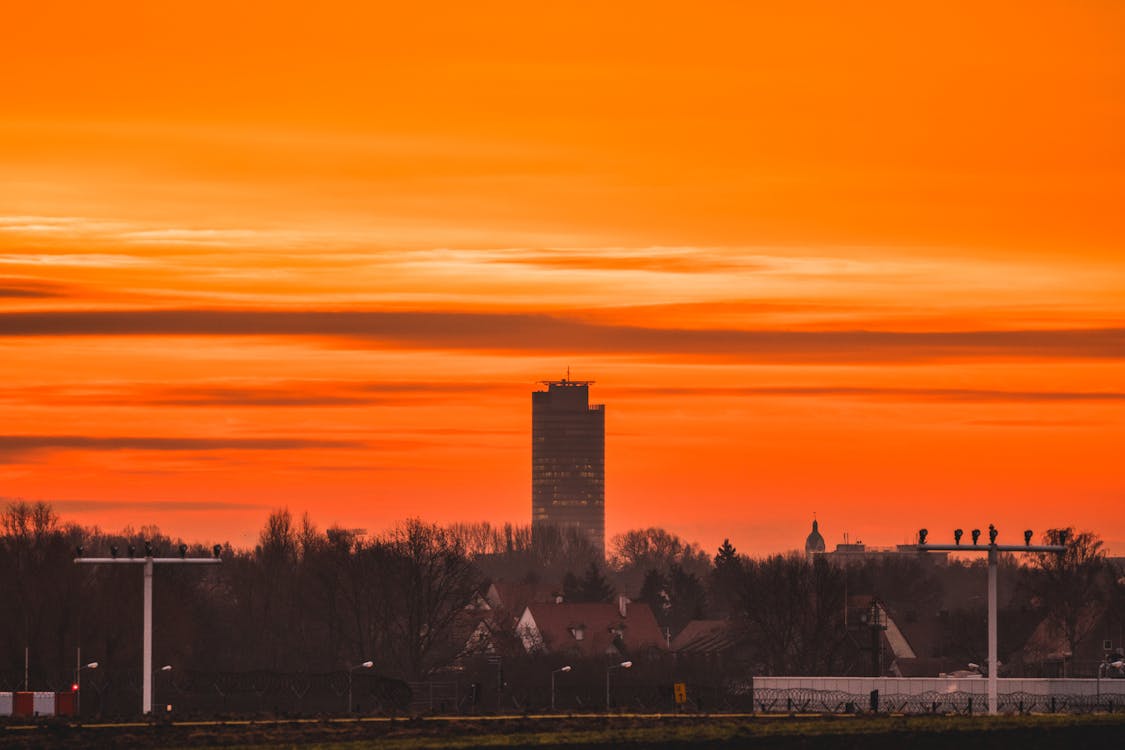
[(555, 672), (364, 665), (608, 671), (78, 687), (165, 668), (1119, 664)]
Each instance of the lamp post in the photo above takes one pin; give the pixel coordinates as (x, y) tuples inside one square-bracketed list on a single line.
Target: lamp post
[(608, 671), (553, 673), (149, 561), (993, 549), (364, 665), (165, 668), (1119, 664), (78, 686)]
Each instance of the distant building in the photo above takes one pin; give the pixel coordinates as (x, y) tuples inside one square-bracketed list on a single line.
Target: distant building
[(591, 630), (568, 459), (814, 543), (850, 553)]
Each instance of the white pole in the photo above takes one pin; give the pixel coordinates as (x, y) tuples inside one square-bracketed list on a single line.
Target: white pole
[(148, 562), (146, 700), (993, 662)]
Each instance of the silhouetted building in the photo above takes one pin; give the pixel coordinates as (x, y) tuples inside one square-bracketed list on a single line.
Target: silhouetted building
[(568, 459), (814, 543), (857, 553)]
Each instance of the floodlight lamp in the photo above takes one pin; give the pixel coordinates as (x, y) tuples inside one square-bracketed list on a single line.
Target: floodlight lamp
[(626, 664), (367, 664), (92, 665), (957, 534), (79, 550), (565, 669), (1027, 537), (132, 551), (166, 668), (148, 549), (183, 551), (113, 551), (217, 550), (976, 535), (922, 535), (992, 532)]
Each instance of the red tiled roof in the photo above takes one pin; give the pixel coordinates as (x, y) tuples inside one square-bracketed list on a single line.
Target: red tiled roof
[(705, 636), (600, 625), (514, 597)]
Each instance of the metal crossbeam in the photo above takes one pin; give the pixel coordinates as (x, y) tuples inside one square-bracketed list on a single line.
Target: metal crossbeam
[(148, 562), (993, 550)]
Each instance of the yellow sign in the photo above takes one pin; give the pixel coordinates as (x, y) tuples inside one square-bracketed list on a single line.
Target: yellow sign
[(680, 691)]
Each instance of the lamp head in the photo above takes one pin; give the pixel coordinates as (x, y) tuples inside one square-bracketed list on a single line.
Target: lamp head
[(976, 535), (166, 668), (626, 665), (132, 551), (92, 665), (992, 532), (957, 534), (565, 669), (1027, 537), (217, 550), (148, 549), (183, 551), (922, 536), (367, 664), (113, 550), (79, 550)]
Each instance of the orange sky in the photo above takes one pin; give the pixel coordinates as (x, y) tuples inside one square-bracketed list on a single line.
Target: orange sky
[(860, 261)]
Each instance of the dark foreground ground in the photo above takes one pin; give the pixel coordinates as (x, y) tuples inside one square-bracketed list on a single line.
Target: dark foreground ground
[(599, 732)]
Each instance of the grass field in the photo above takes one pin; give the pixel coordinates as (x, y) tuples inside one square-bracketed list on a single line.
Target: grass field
[(600, 732)]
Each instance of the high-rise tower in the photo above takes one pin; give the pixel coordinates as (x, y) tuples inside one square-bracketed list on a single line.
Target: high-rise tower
[(568, 459)]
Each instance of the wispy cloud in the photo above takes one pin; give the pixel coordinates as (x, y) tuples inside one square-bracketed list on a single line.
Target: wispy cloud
[(17, 287), (944, 395), (542, 333), (98, 260), (14, 445), (261, 393)]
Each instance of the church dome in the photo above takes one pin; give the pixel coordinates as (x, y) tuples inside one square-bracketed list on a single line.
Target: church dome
[(814, 542)]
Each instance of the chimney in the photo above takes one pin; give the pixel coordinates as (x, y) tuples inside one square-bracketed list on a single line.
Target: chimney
[(623, 605)]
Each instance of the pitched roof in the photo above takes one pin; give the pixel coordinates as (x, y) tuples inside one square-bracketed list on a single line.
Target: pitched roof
[(596, 629), (707, 636), (514, 597)]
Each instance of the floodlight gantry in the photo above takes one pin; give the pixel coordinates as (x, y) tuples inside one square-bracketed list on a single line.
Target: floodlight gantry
[(149, 561), (993, 549)]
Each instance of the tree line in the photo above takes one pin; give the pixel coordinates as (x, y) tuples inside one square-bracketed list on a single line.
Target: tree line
[(307, 600)]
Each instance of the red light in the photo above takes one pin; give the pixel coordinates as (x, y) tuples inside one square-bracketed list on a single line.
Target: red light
[(74, 687)]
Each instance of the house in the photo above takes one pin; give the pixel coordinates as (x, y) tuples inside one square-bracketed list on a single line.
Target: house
[(708, 637), (591, 630), (514, 597)]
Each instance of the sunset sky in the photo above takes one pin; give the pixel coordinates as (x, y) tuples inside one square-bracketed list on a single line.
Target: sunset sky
[(863, 260)]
